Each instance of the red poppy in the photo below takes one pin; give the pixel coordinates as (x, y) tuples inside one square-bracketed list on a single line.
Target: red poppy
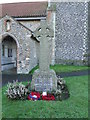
[(34, 96), (48, 97)]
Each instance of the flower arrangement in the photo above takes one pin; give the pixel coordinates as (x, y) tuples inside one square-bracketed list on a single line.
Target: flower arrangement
[(62, 91), (17, 90), (38, 96)]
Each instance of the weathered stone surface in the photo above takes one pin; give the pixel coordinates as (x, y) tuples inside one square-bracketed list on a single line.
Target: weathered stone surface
[(71, 42), (44, 79), (27, 48), (71, 32)]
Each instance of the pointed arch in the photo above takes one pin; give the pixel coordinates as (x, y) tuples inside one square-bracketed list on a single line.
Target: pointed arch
[(2, 37)]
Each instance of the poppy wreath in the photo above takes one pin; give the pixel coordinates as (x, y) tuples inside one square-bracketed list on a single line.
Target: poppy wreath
[(34, 96), (48, 97)]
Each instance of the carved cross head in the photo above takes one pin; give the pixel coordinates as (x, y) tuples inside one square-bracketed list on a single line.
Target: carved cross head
[(43, 30)]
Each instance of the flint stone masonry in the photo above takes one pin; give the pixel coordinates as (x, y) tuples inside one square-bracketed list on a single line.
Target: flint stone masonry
[(44, 79), (71, 32), (33, 25), (27, 47), (70, 44), (88, 50)]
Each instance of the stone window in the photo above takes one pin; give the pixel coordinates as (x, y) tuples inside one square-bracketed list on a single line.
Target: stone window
[(8, 25), (3, 50), (9, 52)]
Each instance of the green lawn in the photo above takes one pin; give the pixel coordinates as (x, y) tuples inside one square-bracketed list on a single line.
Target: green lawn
[(63, 68), (74, 107)]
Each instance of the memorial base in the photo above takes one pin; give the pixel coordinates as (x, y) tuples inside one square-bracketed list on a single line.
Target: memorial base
[(44, 81)]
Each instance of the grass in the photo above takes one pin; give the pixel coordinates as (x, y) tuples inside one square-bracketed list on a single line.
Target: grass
[(63, 68), (35, 68), (74, 107)]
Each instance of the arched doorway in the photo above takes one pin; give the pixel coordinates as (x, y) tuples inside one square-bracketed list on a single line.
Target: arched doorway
[(9, 54)]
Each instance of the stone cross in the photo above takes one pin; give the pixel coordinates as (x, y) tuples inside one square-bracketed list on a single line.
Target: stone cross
[(43, 33), (44, 79)]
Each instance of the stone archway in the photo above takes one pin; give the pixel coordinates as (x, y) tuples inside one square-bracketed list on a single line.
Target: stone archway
[(9, 52)]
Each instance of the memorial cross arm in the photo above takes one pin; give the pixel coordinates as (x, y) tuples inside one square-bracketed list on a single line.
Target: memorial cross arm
[(43, 30)]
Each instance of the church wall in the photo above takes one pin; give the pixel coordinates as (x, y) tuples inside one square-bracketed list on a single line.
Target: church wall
[(88, 50), (34, 51), (25, 59), (70, 42), (71, 32), (37, 50), (51, 19), (32, 25), (33, 54)]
